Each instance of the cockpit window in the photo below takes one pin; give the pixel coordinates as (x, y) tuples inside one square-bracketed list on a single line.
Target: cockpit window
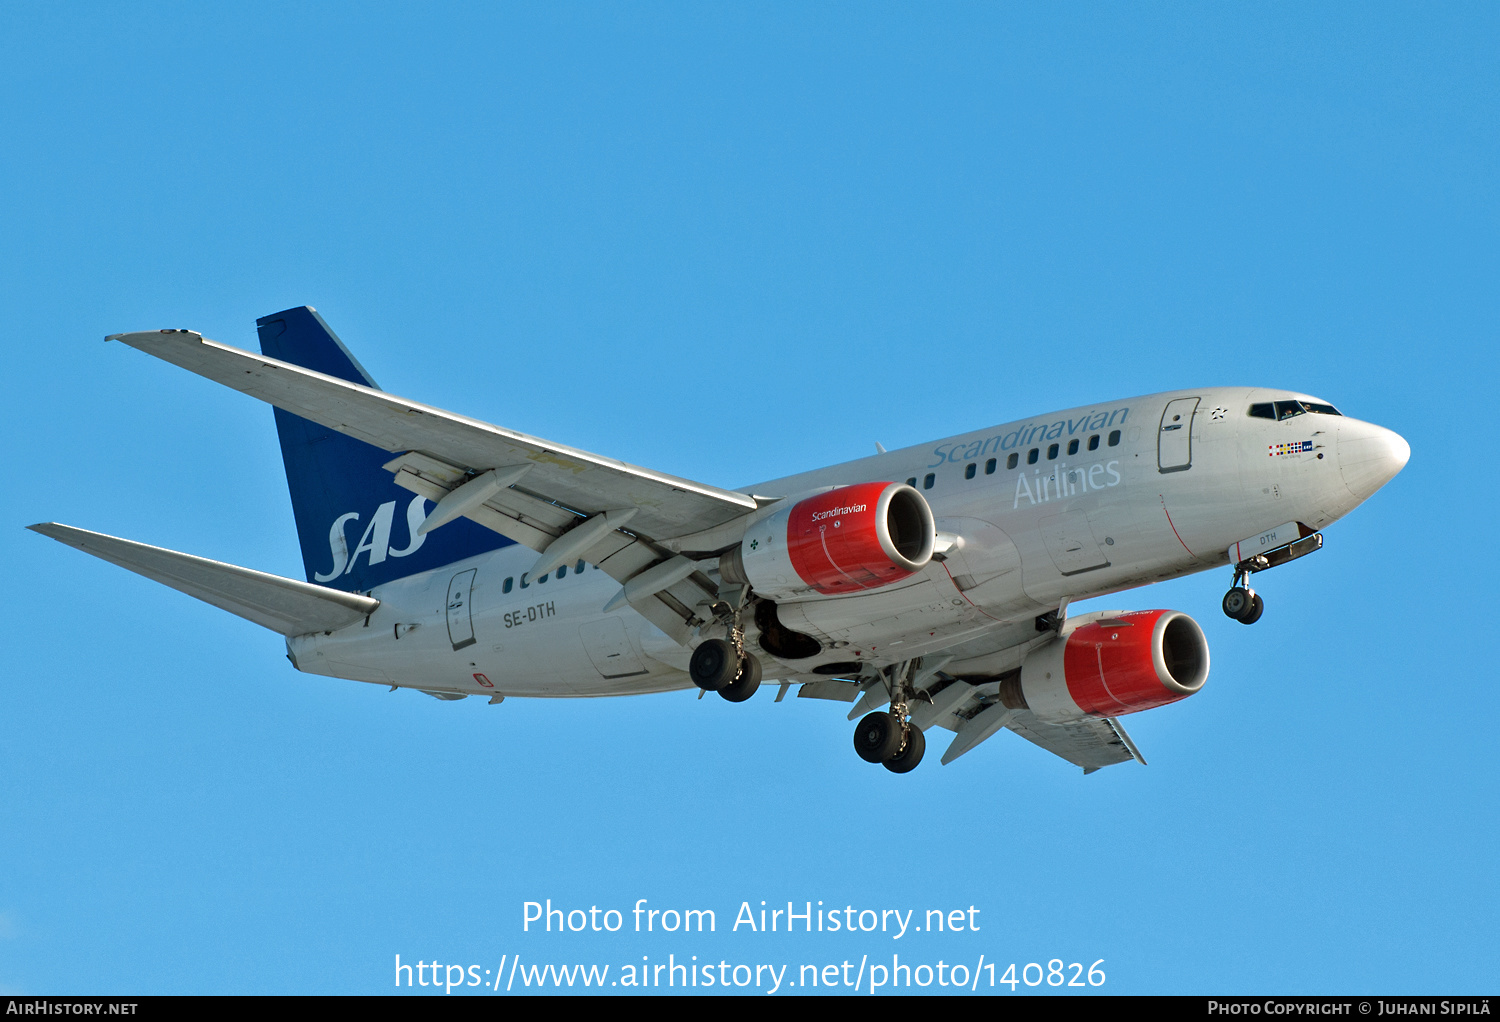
[(1287, 409)]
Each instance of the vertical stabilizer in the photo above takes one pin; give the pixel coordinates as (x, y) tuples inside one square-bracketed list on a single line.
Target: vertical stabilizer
[(357, 528)]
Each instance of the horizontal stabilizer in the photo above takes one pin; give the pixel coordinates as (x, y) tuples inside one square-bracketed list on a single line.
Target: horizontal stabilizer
[(281, 604)]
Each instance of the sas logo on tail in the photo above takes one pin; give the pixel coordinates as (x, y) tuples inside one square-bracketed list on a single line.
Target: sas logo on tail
[(376, 540)]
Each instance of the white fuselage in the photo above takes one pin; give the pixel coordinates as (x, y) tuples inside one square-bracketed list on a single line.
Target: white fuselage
[(1119, 495)]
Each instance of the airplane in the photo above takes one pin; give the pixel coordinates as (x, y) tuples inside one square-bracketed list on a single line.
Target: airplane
[(927, 586)]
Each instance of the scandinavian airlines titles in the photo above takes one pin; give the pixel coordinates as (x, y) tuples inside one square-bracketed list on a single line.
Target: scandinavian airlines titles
[(1062, 481), (954, 451)]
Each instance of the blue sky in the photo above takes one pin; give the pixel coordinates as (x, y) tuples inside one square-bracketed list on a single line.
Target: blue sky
[(732, 243)]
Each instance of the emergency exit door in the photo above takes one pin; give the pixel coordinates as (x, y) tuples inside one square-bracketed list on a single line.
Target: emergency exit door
[(460, 616)]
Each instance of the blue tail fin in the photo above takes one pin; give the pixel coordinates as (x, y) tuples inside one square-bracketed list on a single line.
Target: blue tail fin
[(358, 529)]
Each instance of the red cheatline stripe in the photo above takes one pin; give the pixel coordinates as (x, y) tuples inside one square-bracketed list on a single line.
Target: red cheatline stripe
[(966, 595), (1174, 528)]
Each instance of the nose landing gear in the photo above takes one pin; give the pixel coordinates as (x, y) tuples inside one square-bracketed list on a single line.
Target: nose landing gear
[(1242, 603)]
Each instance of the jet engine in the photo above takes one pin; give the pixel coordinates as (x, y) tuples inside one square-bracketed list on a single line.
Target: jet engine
[(1110, 664), (844, 540)]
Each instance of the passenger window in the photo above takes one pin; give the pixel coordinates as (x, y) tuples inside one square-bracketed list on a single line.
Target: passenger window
[(1114, 438), (1052, 452), (510, 584), (525, 584), (563, 571), (1072, 446), (578, 568), (1264, 411), (989, 467), (542, 579), (1032, 455), (1287, 409), (1013, 460), (912, 481), (970, 470), (928, 481), (1094, 442)]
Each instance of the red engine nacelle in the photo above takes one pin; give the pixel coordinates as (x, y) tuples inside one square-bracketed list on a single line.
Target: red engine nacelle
[(1111, 664), (841, 541)]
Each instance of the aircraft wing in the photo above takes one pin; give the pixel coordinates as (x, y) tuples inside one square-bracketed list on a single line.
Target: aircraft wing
[(528, 489), (1090, 743), (668, 506), (281, 604)]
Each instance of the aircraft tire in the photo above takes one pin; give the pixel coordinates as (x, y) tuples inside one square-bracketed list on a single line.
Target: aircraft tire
[(907, 759), (713, 665), (1237, 603), (877, 737), (746, 681), (1257, 608)]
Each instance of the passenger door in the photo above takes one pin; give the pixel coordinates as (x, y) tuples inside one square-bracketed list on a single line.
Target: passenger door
[(1174, 441)]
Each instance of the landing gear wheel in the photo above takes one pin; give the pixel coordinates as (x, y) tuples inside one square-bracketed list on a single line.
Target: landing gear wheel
[(713, 665), (908, 758), (1257, 608), (745, 683), (1238, 602), (878, 737)]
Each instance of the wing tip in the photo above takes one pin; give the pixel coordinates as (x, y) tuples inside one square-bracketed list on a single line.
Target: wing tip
[(134, 338)]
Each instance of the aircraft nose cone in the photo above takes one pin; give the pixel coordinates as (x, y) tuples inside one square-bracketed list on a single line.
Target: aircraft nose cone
[(1370, 456)]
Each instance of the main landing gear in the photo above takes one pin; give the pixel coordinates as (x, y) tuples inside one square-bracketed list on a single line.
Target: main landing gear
[(889, 737), (884, 738), (718, 667), (722, 665), (1241, 602)]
